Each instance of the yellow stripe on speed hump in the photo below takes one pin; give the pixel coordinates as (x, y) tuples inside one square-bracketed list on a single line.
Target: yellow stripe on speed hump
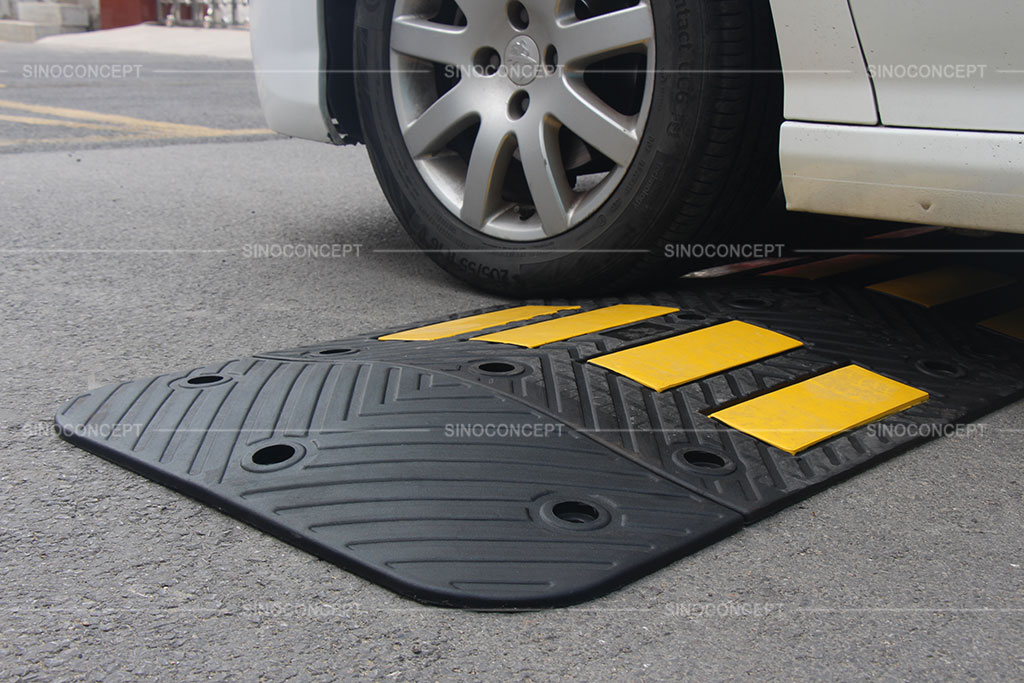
[(801, 415), (943, 285), (670, 363), (1011, 324), (840, 265), (549, 331), (475, 323)]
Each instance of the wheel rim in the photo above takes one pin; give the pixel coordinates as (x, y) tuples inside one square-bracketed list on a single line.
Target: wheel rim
[(522, 117)]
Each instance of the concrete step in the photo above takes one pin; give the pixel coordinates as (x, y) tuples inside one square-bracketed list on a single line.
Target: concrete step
[(53, 14), (29, 32)]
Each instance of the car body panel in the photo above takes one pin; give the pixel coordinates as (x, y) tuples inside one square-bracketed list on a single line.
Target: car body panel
[(945, 63), (825, 75), (934, 177), (290, 59)]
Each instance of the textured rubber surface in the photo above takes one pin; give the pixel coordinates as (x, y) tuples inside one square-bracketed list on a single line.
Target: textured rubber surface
[(487, 475), (382, 483)]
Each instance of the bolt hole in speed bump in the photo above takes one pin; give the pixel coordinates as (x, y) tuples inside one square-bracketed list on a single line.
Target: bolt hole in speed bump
[(204, 380), (547, 453), (498, 368), (274, 457), (576, 515), (704, 462), (335, 352)]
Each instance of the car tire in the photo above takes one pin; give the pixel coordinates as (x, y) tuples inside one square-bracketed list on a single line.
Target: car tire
[(705, 163)]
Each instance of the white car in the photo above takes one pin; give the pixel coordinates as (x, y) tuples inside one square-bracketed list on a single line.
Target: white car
[(534, 146)]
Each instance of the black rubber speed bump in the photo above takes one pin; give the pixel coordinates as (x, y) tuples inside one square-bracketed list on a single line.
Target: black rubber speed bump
[(544, 454)]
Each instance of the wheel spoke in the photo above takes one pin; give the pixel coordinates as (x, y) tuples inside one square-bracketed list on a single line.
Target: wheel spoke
[(478, 179), (444, 119), (546, 177), (430, 41), (485, 178), (596, 123), (478, 12), (605, 35)]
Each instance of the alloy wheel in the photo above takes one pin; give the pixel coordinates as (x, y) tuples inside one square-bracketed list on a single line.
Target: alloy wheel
[(522, 117)]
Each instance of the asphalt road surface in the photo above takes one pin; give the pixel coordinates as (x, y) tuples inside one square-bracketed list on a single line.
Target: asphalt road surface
[(126, 252)]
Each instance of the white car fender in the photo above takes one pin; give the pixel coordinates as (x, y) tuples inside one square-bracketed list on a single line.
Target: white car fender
[(290, 61), (825, 75)]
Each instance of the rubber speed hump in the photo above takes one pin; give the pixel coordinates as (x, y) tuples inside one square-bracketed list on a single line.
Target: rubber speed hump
[(544, 454)]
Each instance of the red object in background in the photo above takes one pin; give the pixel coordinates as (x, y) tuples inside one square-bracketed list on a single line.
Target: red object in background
[(114, 13)]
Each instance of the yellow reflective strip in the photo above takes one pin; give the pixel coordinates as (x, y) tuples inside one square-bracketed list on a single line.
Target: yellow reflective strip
[(475, 323), (799, 416), (1010, 324), (669, 363), (538, 334), (831, 267), (943, 285)]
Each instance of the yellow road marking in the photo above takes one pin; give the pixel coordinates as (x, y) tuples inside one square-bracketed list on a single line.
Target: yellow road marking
[(670, 363), (475, 323), (81, 139), (35, 121), (798, 416), (943, 285), (538, 334), (1010, 324), (155, 129)]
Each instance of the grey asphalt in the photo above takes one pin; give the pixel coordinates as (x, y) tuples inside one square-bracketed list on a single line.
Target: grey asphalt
[(128, 261), (216, 93)]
